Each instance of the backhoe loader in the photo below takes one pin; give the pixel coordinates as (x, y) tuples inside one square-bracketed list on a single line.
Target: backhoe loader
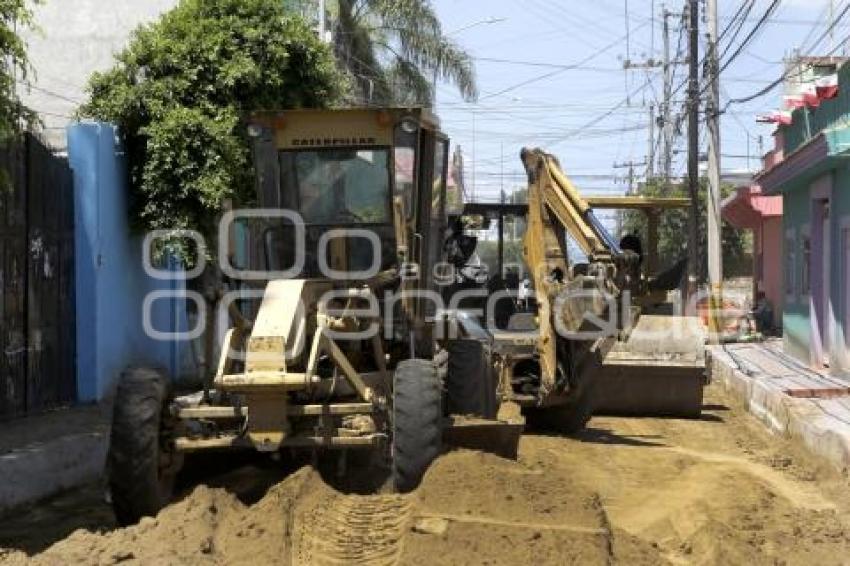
[(591, 341)]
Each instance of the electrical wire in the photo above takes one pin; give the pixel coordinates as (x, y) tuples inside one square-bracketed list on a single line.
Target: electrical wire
[(556, 72), (48, 92), (752, 35), (747, 6), (788, 72)]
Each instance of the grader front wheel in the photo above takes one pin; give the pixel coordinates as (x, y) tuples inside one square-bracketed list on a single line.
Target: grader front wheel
[(417, 421), (142, 465)]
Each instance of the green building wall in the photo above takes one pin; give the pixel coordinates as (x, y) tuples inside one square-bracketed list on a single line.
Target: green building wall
[(839, 285), (831, 120), (795, 317)]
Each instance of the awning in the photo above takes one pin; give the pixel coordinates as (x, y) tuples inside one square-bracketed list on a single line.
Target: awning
[(748, 207)]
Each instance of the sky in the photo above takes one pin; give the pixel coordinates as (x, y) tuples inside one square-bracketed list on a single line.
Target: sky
[(550, 75)]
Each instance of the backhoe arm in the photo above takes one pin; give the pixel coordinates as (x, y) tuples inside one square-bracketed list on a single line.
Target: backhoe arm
[(555, 210)]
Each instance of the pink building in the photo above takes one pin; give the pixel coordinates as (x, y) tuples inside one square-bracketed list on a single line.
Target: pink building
[(749, 209)]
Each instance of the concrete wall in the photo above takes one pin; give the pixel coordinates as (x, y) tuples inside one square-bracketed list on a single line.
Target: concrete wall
[(110, 277), (73, 39)]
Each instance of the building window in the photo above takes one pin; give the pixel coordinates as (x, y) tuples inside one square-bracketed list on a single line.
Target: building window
[(790, 265)]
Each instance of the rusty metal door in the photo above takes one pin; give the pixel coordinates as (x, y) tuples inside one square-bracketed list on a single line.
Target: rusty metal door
[(37, 315), (13, 268)]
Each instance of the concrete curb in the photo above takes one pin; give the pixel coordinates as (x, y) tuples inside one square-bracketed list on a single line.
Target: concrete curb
[(42, 468), (816, 423)]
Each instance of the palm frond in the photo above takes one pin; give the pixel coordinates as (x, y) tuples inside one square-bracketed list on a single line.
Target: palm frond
[(443, 57), (391, 44), (406, 15), (409, 86)]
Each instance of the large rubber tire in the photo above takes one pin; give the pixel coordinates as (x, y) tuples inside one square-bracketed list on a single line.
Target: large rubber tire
[(141, 465), (417, 421)]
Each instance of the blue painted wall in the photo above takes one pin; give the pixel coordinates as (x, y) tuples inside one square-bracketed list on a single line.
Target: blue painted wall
[(111, 281)]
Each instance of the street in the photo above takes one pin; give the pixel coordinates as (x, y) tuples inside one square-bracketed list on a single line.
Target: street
[(629, 491)]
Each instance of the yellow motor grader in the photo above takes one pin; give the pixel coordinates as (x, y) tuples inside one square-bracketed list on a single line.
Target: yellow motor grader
[(347, 346)]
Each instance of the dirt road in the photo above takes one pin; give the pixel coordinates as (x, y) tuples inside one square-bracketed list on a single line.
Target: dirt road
[(630, 491)]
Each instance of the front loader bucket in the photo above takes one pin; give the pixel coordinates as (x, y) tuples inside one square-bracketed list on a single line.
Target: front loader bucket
[(658, 371)]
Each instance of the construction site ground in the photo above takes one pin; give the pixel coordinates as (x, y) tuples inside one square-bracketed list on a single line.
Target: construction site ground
[(720, 490)]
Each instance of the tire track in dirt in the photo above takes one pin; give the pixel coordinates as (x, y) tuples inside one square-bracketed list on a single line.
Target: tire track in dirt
[(799, 494), (715, 490), (352, 529)]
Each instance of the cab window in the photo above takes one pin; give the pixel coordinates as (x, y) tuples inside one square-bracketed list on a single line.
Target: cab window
[(339, 186)]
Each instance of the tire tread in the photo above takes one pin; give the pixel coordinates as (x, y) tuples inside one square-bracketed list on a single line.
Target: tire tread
[(417, 421)]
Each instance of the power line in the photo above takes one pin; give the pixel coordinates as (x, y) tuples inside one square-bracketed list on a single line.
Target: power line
[(48, 92), (605, 115), (758, 27), (770, 9), (559, 71), (547, 65), (787, 74), (744, 12), (740, 17)]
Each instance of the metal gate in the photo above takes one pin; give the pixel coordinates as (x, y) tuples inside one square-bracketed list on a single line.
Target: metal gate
[(37, 315)]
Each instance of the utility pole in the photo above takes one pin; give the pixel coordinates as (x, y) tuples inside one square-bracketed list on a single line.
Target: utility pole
[(323, 36), (693, 147), (650, 154), (502, 170), (630, 165), (715, 258), (666, 114), (472, 191), (832, 26)]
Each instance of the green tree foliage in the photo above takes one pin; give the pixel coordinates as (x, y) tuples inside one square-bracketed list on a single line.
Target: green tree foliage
[(673, 232), (14, 67), (394, 49), (180, 93)]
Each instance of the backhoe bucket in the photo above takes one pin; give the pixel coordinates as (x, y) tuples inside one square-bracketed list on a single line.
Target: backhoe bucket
[(478, 421), (658, 371), (500, 436)]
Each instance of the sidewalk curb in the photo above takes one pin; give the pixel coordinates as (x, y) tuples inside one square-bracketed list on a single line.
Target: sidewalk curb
[(809, 421), (42, 469)]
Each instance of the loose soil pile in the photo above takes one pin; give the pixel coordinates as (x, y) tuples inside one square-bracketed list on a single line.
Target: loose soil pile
[(645, 491)]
